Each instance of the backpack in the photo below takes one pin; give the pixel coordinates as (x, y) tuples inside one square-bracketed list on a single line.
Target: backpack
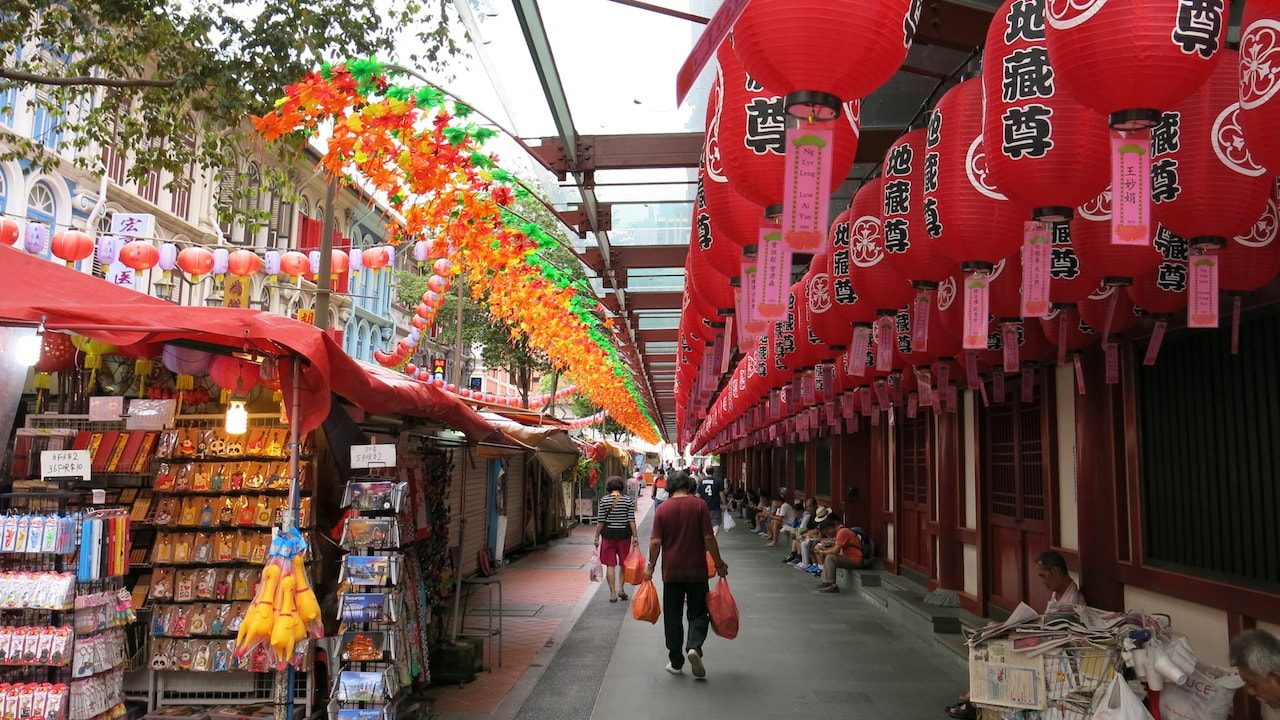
[(868, 546)]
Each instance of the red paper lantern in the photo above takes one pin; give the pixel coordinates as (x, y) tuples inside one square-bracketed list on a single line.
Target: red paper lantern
[(720, 254), (910, 250), (845, 299), (1163, 291), (140, 350), (709, 290), (1080, 334), (966, 218), (71, 245), (10, 231), (1248, 262), (1091, 239), (375, 258), (1205, 184), (820, 52), (243, 263), (139, 255), (57, 353), (1259, 84), (196, 261), (339, 262), (294, 264), (751, 128), (810, 348), (233, 374), (1071, 280), (1044, 149), (1126, 58), (877, 282)]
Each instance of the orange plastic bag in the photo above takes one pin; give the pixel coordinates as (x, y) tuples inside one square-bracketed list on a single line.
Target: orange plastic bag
[(711, 566), (633, 567), (645, 605), (723, 610)]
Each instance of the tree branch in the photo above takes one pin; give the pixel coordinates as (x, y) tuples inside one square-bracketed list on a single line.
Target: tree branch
[(22, 76)]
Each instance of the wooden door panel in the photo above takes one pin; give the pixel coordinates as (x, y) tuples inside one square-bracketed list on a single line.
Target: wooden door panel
[(1007, 567)]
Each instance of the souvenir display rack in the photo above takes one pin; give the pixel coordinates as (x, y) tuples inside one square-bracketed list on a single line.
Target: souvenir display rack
[(63, 606), (203, 506), (373, 669)]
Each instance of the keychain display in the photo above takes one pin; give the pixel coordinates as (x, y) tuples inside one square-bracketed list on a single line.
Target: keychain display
[(37, 590), (47, 701), (48, 645)]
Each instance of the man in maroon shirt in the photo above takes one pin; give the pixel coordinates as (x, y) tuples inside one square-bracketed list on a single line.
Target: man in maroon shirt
[(682, 534)]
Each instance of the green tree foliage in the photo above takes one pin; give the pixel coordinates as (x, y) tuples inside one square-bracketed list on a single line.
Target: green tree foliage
[(611, 428), (173, 82)]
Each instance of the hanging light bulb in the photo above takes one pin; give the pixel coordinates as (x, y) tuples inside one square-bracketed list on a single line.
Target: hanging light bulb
[(26, 350), (237, 418)]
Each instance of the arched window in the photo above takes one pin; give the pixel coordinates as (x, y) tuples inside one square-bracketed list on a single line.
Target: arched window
[(304, 206)]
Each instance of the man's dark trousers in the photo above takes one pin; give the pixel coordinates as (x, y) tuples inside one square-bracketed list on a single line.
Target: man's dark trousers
[(677, 595)]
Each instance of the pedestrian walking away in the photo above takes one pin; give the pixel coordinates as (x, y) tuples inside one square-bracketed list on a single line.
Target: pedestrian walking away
[(682, 536), (711, 490), (616, 534)]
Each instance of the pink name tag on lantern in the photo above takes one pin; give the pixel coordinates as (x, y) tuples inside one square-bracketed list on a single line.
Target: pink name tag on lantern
[(805, 202), (884, 344), (1037, 254), (1079, 367), (952, 398), (1009, 346), (858, 352), (1202, 292), (912, 402), (925, 383), (977, 308), (920, 321), (852, 424), (944, 373), (752, 324), (847, 406), (865, 396), (875, 418), (1157, 339), (997, 387), (971, 370), (773, 275), (882, 393), (1028, 385), (1130, 188)]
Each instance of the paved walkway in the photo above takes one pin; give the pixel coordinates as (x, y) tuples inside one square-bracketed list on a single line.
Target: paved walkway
[(798, 651)]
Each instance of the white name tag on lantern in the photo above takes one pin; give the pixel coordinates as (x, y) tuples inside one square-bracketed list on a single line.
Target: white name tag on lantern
[(64, 463), (373, 456)]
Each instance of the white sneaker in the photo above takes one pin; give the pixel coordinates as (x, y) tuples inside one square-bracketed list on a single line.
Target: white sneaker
[(800, 565), (674, 670), (695, 664)]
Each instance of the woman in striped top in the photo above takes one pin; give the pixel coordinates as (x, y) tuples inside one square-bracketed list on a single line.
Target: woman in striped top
[(616, 534)]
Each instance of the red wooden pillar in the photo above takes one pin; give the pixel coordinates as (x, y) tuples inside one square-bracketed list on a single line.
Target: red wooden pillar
[(950, 491), (879, 515), (1100, 479)]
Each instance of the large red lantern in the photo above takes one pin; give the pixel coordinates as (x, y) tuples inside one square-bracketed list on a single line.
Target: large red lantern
[(1071, 280), (1249, 261), (821, 52), (840, 267), (966, 218), (910, 250), (1091, 240), (243, 263), (735, 215), (822, 299), (1128, 59), (877, 282), (139, 255), (708, 290), (1206, 186), (1068, 331), (720, 254), (810, 349), (1044, 149), (1259, 83), (10, 231), (751, 124), (71, 245), (375, 258), (57, 353), (234, 375), (196, 261), (1163, 291)]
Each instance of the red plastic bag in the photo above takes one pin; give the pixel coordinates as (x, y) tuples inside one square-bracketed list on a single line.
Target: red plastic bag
[(645, 605), (723, 610), (633, 567), (711, 566)]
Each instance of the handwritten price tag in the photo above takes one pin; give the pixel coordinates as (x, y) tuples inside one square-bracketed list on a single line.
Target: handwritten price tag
[(367, 456), (64, 463)]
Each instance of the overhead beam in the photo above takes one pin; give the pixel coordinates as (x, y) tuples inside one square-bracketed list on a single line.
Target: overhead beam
[(647, 336), (664, 150), (953, 25)]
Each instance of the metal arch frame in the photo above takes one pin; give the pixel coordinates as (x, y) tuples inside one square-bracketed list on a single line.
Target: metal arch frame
[(535, 35)]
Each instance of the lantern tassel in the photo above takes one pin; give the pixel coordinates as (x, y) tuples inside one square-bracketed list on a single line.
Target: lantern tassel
[(142, 368), (185, 382), (1079, 367), (1236, 302), (43, 381), (1111, 311)]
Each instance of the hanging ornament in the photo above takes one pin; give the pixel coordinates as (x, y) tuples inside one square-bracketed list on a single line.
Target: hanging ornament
[(443, 267), (93, 351), (294, 265), (375, 258), (877, 282), (339, 263), (720, 254), (422, 253), (71, 246), (108, 249), (234, 376), (1044, 149), (221, 258), (168, 260)]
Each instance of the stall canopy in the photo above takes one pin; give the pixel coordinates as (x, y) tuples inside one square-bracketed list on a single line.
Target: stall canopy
[(553, 447), (34, 290)]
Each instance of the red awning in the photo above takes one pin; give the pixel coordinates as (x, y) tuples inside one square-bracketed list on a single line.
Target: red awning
[(34, 290)]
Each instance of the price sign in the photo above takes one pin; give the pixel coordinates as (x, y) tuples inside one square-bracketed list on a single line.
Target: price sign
[(367, 456), (64, 463)]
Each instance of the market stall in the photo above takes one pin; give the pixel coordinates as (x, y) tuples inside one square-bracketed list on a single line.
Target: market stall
[(190, 448)]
